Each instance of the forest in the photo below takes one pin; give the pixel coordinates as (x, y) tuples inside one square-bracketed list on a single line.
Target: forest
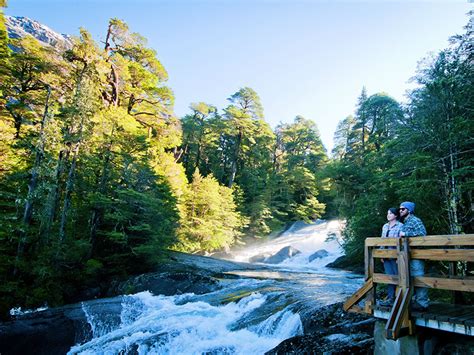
[(99, 177)]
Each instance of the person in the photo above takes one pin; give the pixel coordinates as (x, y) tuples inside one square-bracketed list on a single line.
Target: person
[(414, 227), (391, 229)]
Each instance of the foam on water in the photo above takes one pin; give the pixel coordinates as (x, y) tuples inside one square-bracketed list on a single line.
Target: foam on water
[(171, 325), (211, 324), (307, 238)]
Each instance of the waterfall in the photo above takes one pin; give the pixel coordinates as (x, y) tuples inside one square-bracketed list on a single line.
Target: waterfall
[(182, 325), (249, 315), (306, 238)]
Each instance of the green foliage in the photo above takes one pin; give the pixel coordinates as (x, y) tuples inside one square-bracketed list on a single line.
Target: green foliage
[(276, 176), (88, 187), (94, 166), (423, 153), (211, 221)]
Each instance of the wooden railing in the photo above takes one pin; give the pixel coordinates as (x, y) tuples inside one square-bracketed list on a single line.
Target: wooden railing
[(450, 248)]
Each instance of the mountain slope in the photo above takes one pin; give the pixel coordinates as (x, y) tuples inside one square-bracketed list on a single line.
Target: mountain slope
[(19, 27)]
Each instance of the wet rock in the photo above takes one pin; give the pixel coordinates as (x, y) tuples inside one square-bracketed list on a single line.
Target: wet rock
[(330, 330), (222, 255), (259, 258), (167, 283), (282, 255), (321, 253), (54, 331), (343, 262), (182, 262)]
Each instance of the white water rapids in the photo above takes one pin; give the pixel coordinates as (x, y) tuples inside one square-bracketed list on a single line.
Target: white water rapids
[(249, 315)]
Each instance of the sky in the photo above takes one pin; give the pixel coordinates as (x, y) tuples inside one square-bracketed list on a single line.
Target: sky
[(302, 57)]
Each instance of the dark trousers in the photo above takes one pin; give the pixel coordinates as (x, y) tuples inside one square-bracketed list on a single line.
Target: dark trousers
[(390, 266)]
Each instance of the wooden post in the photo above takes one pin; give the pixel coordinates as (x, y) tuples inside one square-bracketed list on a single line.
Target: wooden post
[(400, 316), (369, 272)]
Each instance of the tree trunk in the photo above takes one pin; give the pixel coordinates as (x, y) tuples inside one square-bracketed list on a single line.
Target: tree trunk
[(53, 198), (96, 211), (454, 196), (451, 193), (39, 154), (68, 192), (113, 76), (233, 171)]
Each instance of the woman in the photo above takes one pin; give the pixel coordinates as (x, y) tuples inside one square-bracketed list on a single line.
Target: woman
[(391, 229)]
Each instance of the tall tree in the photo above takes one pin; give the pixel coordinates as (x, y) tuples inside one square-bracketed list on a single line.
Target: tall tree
[(242, 115)]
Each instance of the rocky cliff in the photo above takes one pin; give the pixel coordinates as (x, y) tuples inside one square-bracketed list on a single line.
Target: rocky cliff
[(19, 27)]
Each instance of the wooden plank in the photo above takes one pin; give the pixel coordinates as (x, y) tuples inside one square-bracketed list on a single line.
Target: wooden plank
[(372, 242), (385, 279), (391, 318), (442, 240), (358, 294), (459, 316), (399, 316), (431, 240), (368, 262), (403, 264), (469, 322), (445, 326), (454, 284), (441, 312), (467, 317), (444, 284), (369, 270), (385, 253), (356, 309), (443, 254)]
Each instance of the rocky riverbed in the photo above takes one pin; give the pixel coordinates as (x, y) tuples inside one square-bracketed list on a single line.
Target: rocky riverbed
[(330, 330), (55, 331), (196, 304)]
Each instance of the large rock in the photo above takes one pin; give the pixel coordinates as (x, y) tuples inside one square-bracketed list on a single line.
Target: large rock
[(259, 258), (321, 253), (168, 284), (282, 255), (330, 330), (55, 331), (345, 263)]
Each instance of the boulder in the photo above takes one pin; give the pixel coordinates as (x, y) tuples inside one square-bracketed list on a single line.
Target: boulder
[(56, 330), (330, 330), (321, 253), (222, 255), (259, 258), (168, 284), (345, 263), (282, 255)]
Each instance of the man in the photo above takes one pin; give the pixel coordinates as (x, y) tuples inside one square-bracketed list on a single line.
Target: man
[(413, 227)]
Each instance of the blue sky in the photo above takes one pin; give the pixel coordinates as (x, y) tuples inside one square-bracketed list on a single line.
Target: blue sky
[(302, 57)]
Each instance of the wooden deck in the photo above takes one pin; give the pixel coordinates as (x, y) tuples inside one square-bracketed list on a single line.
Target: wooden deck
[(456, 251), (451, 318)]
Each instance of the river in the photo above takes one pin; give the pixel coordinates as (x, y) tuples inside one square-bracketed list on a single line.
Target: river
[(249, 315)]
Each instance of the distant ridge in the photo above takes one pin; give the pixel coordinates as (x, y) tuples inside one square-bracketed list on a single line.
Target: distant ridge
[(19, 27)]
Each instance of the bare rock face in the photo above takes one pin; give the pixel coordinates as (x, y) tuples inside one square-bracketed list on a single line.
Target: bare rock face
[(282, 255), (19, 27)]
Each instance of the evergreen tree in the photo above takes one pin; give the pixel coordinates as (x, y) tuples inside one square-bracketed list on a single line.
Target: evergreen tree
[(212, 221)]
